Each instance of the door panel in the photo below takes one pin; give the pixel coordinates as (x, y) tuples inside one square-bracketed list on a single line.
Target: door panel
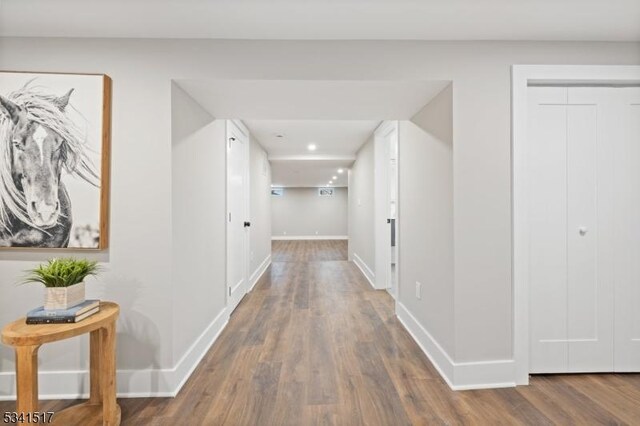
[(589, 233), (548, 223), (582, 232)]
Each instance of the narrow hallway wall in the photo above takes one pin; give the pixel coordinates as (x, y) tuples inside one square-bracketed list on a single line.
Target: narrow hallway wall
[(260, 207), (426, 228), (361, 214), (198, 219)]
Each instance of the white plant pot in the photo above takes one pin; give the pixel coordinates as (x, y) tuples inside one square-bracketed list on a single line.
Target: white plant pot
[(63, 297)]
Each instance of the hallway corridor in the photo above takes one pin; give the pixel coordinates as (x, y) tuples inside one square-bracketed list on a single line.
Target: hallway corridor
[(314, 344)]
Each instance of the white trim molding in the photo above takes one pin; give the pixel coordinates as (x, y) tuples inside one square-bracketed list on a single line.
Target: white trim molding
[(260, 270), (158, 382), (523, 76), (458, 375), (309, 237), (364, 268)]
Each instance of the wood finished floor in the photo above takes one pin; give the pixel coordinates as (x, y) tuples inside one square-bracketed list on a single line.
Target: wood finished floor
[(313, 344)]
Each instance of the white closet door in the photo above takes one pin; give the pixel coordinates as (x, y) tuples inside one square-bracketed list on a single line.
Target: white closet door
[(627, 234), (548, 223), (570, 218)]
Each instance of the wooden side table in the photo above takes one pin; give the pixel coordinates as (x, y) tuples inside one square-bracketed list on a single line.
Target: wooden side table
[(102, 408)]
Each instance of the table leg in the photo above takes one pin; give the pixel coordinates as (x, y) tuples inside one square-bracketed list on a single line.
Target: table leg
[(95, 354), (108, 378), (27, 378)]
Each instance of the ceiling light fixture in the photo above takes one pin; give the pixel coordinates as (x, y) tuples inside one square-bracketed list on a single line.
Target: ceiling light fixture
[(311, 147), (335, 177), (340, 170)]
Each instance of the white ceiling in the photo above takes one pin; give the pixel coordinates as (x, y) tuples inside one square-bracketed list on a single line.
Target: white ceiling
[(332, 137), (305, 173), (292, 164), (604, 20), (312, 99)]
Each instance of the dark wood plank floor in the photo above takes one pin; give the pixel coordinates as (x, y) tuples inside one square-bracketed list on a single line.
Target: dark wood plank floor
[(313, 344)]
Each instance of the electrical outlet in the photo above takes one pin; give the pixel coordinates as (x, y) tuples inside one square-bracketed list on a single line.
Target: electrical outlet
[(418, 290)]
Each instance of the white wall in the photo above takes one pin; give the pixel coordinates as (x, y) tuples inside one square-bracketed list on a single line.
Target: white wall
[(426, 220), (361, 213), (138, 263), (301, 212), (198, 219), (260, 206), (139, 260)]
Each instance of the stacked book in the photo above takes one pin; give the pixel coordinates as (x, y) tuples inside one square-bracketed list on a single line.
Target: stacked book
[(63, 316)]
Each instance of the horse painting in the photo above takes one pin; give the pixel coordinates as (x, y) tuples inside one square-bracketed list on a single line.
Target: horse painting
[(38, 142)]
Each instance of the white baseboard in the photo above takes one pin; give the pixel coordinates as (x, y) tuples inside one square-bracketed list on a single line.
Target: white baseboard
[(436, 354), (310, 237), (261, 269), (485, 374), (160, 382), (458, 375), (366, 271), (192, 357)]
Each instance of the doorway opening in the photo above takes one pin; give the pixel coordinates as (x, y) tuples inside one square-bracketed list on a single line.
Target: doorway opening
[(328, 153)]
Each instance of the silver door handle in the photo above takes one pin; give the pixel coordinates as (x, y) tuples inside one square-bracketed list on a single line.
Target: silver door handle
[(583, 231)]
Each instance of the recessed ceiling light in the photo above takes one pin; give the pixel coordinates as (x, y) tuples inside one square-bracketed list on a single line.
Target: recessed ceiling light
[(330, 182), (335, 177), (311, 147), (340, 170)]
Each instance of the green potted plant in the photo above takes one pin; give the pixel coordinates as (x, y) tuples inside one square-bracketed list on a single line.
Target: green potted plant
[(63, 280)]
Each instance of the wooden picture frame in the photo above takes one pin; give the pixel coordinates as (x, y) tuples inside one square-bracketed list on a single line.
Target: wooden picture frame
[(55, 168)]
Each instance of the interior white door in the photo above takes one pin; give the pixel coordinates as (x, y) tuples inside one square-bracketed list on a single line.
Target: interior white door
[(383, 138), (237, 213), (584, 234)]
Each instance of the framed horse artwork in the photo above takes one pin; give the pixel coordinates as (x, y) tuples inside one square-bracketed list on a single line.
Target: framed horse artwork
[(54, 160)]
